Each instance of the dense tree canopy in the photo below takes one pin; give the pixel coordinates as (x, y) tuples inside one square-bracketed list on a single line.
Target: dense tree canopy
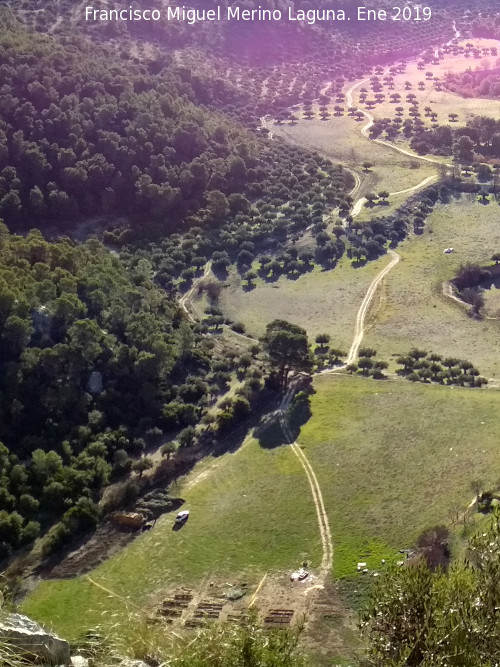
[(83, 134), (92, 357)]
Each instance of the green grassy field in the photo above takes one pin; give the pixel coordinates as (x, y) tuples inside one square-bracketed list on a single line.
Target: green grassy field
[(243, 522), (320, 301), (392, 459), (412, 310)]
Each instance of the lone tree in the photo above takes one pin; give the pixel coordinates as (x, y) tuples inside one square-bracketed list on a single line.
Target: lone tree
[(322, 340), (168, 449), (142, 464), (288, 349)]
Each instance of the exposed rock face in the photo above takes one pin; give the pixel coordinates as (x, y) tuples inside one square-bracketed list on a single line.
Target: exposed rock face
[(79, 661), (33, 640), (95, 385)]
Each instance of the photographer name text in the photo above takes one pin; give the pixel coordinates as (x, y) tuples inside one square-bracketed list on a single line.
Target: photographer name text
[(234, 14)]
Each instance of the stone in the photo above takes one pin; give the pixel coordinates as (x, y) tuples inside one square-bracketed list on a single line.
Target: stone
[(34, 640), (79, 661), (95, 385)]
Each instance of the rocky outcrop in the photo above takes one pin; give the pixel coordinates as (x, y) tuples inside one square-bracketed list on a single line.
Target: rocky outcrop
[(95, 384), (79, 661), (33, 640)]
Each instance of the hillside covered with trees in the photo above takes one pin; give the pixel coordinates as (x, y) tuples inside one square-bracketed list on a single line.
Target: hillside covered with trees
[(90, 356), (82, 135)]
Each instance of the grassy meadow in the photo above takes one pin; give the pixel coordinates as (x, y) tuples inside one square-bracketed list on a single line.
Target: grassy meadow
[(393, 458), (251, 511), (411, 310), (340, 139), (320, 301)]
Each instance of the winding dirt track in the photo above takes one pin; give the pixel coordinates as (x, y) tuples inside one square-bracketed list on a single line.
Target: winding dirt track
[(322, 516), (186, 298), (358, 205), (371, 120), (365, 305)]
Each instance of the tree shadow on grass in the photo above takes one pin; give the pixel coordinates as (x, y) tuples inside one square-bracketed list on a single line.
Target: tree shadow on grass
[(234, 439), (299, 413), (220, 273), (269, 432)]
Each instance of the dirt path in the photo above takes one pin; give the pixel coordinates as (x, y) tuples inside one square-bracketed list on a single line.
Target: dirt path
[(325, 88), (448, 291), (186, 298), (322, 516), (357, 181), (365, 129), (323, 523), (365, 305), (414, 188), (453, 39)]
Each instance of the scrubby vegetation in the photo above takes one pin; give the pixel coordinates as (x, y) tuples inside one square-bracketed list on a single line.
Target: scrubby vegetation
[(228, 645), (422, 618)]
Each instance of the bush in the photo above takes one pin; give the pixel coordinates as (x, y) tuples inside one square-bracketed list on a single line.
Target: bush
[(239, 327), (81, 517), (56, 538)]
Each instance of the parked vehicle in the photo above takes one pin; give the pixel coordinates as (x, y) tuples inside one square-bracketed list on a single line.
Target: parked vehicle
[(182, 517)]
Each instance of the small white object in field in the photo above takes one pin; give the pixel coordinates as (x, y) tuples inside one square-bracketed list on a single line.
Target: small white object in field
[(447, 251)]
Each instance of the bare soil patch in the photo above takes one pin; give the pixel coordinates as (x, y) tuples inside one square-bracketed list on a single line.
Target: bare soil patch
[(104, 542)]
